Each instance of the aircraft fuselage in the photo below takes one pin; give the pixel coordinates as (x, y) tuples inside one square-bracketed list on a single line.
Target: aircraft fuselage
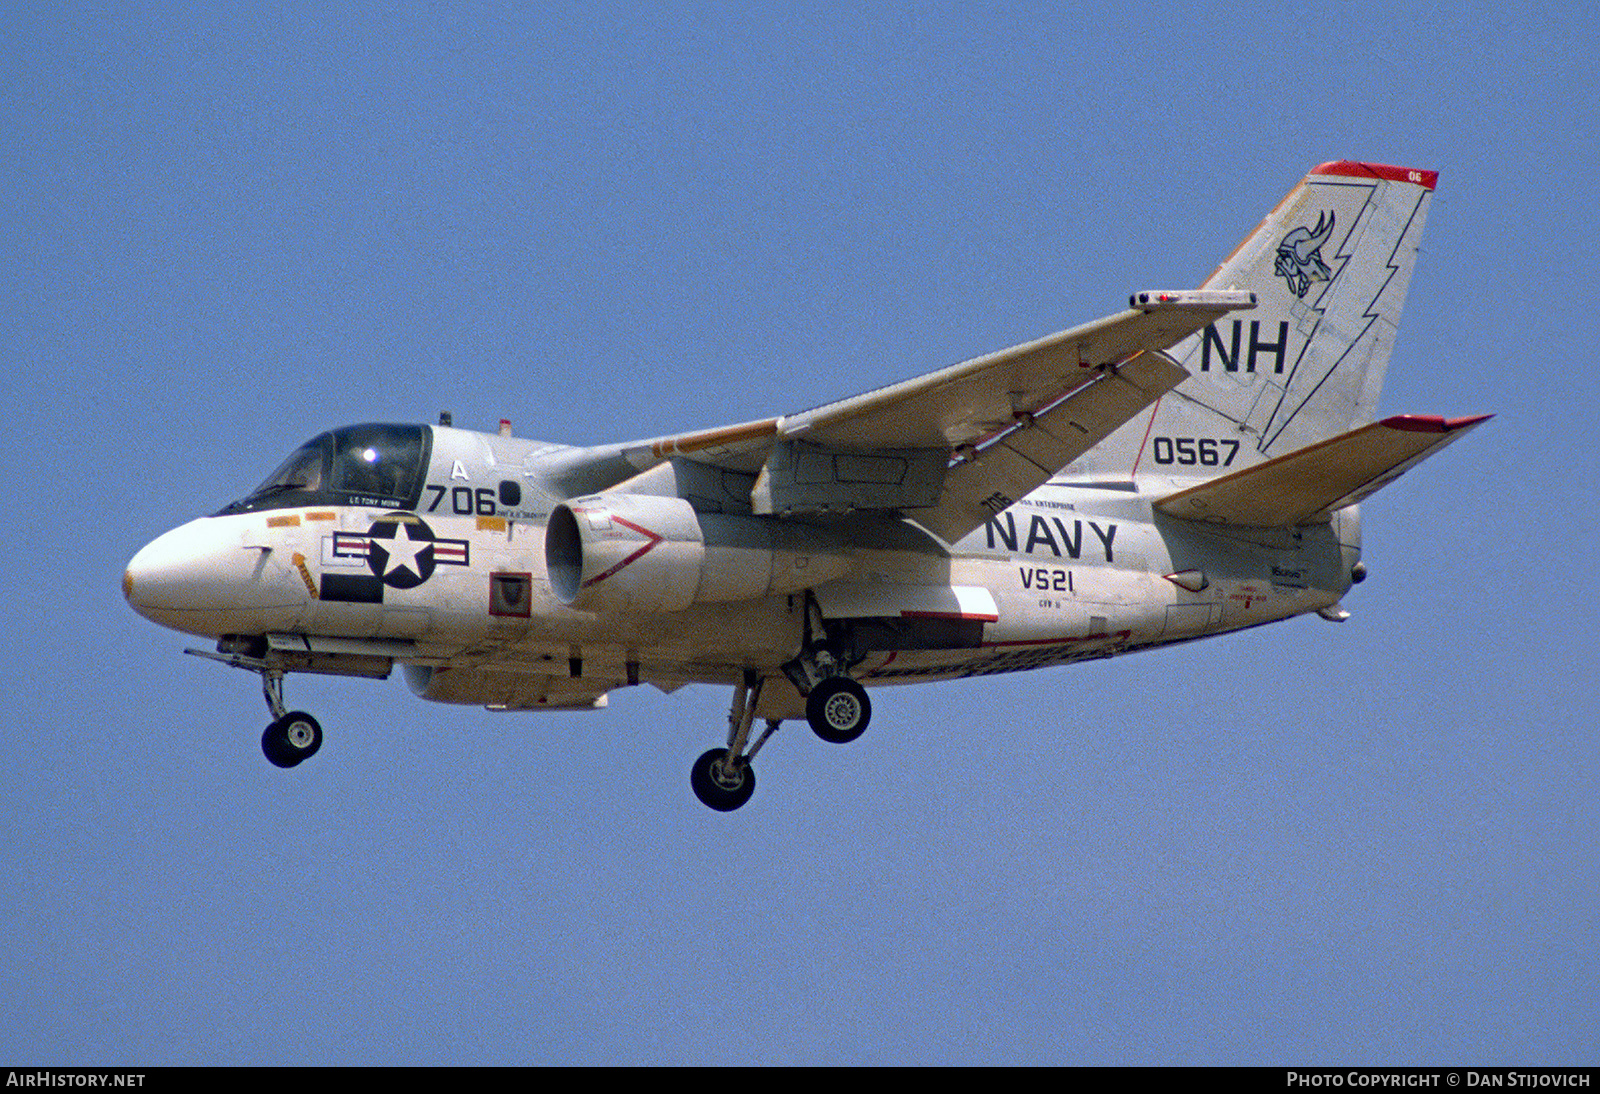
[(1067, 573)]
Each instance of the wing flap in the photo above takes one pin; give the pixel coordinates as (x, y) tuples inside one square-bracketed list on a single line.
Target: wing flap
[(1023, 458), (1307, 486)]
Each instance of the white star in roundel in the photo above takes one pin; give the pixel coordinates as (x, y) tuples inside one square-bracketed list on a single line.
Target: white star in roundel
[(403, 551)]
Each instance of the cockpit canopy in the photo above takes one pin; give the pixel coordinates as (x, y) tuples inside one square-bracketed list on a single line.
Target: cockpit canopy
[(382, 466)]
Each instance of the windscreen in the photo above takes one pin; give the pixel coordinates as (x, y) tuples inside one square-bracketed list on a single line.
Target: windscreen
[(372, 465)]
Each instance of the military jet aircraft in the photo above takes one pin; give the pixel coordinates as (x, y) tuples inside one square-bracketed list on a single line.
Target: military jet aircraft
[(1186, 467)]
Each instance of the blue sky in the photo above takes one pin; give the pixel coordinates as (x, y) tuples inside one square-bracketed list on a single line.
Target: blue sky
[(228, 230)]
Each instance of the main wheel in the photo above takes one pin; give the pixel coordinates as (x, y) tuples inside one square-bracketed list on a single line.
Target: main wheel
[(292, 739), (721, 785), (838, 710)]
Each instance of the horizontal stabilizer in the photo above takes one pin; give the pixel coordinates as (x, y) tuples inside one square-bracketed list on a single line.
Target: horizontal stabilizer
[(1307, 486)]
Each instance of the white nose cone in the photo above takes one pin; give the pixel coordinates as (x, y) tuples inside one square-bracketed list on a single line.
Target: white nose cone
[(201, 578)]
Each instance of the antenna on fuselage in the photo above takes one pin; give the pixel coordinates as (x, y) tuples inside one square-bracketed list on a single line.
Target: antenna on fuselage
[(444, 417)]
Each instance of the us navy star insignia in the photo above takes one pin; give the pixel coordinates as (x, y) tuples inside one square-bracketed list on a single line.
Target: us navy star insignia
[(403, 552)]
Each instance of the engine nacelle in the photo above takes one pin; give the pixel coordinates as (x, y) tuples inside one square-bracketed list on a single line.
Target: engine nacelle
[(642, 553)]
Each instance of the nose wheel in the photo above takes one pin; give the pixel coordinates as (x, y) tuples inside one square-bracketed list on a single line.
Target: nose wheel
[(294, 736), (292, 739)]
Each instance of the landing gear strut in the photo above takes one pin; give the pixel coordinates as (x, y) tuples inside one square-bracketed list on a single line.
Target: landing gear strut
[(722, 778), (294, 736)]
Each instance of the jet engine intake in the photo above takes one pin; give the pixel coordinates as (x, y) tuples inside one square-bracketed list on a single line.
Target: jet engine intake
[(648, 554)]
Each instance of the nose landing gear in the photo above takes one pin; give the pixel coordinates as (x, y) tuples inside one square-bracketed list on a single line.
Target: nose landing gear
[(294, 736), (292, 739)]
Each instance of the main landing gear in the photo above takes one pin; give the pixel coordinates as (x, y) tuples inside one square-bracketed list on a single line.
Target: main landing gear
[(723, 778), (837, 709), (294, 736), (836, 706)]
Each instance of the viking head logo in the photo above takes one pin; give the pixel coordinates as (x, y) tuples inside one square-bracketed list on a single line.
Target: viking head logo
[(1300, 255)]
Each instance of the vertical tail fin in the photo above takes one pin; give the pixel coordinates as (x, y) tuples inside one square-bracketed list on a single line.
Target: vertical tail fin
[(1330, 266)]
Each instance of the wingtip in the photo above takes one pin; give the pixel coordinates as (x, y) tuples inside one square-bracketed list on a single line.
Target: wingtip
[(1432, 423)]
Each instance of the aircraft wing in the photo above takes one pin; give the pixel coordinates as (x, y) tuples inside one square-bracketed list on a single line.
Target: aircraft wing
[(966, 403), (1307, 486), (1015, 418)]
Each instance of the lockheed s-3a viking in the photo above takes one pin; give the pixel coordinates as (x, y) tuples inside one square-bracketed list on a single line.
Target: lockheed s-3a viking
[(1189, 466)]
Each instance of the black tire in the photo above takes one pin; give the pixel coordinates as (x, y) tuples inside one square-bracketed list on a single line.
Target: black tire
[(838, 710), (718, 784), (291, 740), (274, 750)]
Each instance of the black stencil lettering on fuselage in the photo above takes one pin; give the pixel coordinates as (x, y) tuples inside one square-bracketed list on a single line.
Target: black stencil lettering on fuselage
[(1229, 353), (1045, 579), (1050, 536)]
